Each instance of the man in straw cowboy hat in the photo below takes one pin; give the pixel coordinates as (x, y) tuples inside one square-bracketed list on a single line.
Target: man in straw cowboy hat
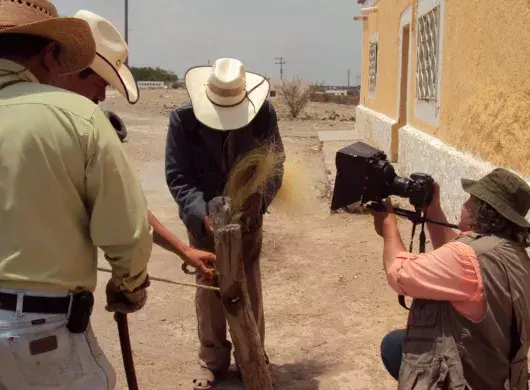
[(66, 188), (469, 323), (228, 117), (109, 68)]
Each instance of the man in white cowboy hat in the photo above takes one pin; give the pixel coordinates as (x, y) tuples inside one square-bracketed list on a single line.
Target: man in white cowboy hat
[(66, 188), (229, 115), (108, 68)]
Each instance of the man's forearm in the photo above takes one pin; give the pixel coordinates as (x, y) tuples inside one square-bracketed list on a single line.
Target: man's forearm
[(164, 238), (393, 244), (440, 235)]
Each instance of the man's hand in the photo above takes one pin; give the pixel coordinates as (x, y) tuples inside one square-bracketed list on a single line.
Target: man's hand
[(201, 260), (252, 206), (207, 222), (435, 202), (126, 301), (384, 218)]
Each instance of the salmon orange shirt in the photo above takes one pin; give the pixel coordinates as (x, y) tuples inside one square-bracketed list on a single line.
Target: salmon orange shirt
[(449, 273)]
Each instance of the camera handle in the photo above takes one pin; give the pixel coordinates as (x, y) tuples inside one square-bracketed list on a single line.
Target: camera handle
[(416, 217)]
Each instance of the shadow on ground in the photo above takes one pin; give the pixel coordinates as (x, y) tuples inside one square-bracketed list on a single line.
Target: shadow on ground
[(300, 375)]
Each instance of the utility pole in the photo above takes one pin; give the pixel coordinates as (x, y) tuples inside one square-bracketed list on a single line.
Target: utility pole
[(348, 78), (281, 63), (127, 28)]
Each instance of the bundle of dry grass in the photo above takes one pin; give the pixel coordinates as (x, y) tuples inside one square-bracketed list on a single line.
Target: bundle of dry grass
[(251, 174)]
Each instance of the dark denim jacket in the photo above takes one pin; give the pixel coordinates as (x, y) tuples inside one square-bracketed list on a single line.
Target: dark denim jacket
[(196, 159)]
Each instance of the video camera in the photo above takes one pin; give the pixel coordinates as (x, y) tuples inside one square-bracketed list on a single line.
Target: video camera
[(365, 175)]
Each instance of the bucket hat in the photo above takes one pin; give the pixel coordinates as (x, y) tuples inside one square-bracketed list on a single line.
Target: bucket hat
[(503, 190)]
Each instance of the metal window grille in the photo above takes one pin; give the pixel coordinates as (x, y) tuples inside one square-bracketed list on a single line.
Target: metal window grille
[(427, 55), (372, 74)]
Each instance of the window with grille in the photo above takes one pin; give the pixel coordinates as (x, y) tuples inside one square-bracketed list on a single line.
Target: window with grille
[(372, 72), (427, 55)]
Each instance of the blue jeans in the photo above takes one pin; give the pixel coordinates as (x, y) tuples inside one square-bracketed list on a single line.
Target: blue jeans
[(391, 350)]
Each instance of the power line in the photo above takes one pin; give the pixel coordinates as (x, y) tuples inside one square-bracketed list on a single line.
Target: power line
[(127, 28), (281, 63)]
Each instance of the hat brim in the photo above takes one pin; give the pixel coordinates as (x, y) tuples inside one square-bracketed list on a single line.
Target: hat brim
[(78, 47), (475, 188), (120, 79), (225, 118)]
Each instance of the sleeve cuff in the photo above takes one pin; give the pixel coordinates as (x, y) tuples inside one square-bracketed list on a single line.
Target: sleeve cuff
[(131, 282)]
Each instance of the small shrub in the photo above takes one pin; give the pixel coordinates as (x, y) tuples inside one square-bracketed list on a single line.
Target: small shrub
[(295, 95)]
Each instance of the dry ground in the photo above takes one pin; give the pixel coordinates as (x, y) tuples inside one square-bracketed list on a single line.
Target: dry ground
[(327, 303)]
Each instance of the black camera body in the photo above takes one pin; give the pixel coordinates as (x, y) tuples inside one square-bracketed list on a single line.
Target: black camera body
[(365, 175)]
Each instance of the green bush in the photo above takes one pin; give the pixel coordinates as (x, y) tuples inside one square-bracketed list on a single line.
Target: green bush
[(154, 74)]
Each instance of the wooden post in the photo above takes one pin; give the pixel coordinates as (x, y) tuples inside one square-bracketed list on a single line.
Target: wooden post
[(234, 294)]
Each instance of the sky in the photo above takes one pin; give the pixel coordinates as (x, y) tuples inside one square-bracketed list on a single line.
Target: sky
[(318, 39)]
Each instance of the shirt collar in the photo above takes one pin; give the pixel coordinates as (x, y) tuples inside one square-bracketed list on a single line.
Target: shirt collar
[(11, 71)]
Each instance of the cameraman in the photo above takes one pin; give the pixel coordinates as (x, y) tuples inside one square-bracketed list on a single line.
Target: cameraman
[(469, 323)]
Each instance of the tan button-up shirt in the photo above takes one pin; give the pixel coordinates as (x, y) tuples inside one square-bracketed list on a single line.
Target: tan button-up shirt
[(66, 188)]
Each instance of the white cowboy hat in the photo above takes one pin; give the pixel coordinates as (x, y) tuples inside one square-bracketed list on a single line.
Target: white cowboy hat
[(111, 53), (225, 96), (39, 18)]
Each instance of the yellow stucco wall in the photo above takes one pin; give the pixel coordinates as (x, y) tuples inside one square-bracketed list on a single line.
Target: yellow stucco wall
[(386, 22), (485, 97), (485, 91)]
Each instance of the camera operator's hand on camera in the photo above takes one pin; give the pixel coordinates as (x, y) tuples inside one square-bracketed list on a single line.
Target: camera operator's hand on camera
[(126, 301), (382, 218), (435, 203)]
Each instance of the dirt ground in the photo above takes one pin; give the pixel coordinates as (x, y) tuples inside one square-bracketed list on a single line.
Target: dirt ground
[(327, 303)]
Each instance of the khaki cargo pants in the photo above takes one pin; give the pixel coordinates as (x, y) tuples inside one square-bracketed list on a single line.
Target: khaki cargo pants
[(215, 349)]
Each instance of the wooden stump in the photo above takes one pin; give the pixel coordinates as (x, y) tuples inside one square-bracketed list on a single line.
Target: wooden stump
[(234, 294)]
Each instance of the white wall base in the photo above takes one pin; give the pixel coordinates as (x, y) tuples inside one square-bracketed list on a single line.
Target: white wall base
[(374, 128), (420, 152)]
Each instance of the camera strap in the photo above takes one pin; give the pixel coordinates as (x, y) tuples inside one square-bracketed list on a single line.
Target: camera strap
[(401, 298)]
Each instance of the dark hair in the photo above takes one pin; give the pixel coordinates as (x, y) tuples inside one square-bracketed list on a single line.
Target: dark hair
[(85, 73), (24, 46), (490, 221)]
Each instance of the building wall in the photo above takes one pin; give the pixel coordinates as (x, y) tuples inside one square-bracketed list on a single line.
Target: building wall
[(486, 100), (481, 118), (382, 26), (385, 23)]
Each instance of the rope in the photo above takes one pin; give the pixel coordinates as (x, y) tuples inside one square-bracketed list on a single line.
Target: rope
[(169, 281)]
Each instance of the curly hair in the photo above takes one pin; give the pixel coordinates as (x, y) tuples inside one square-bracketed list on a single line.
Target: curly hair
[(489, 221)]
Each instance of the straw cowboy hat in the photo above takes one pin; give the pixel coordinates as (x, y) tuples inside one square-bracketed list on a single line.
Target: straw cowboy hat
[(225, 96), (39, 18), (111, 53), (505, 192)]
